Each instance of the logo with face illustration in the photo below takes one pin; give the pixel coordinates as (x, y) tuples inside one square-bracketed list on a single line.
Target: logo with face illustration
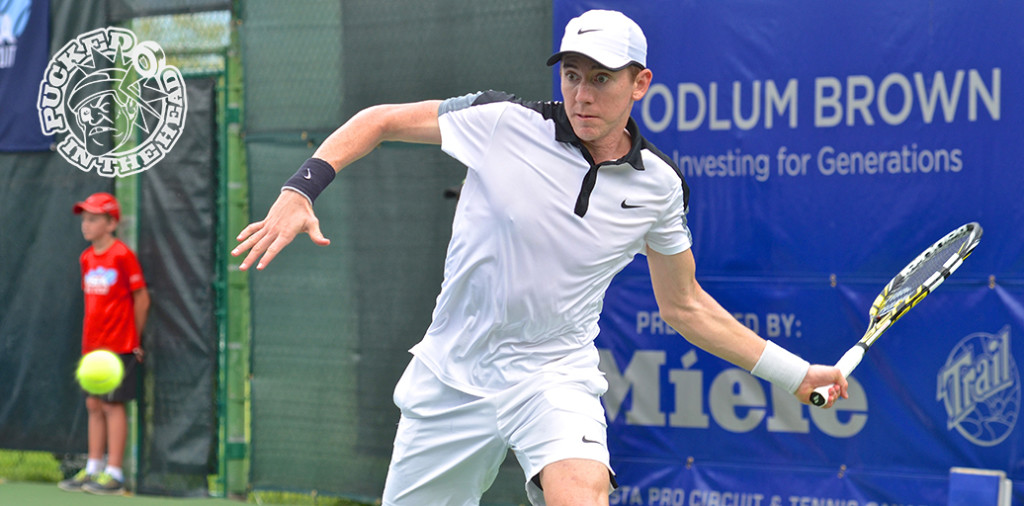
[(121, 106)]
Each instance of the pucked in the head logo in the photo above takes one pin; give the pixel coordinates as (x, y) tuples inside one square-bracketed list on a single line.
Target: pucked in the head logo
[(121, 106)]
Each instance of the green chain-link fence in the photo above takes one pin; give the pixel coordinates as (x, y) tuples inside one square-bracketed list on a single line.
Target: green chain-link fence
[(330, 327)]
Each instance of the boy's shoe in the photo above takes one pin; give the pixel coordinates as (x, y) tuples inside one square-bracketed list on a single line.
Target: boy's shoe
[(104, 484), (76, 482)]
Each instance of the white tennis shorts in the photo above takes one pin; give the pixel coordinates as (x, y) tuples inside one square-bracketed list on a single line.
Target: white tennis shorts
[(450, 444)]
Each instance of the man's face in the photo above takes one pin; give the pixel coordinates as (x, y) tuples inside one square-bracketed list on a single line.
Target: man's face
[(597, 100)]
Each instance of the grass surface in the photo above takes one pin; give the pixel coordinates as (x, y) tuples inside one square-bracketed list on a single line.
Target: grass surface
[(30, 478), (29, 466)]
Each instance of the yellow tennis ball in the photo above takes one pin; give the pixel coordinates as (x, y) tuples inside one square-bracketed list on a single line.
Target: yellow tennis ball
[(100, 372)]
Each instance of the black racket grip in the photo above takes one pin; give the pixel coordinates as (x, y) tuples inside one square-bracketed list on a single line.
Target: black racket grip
[(817, 399)]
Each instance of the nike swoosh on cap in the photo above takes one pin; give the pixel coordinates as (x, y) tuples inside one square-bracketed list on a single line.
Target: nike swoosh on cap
[(582, 31)]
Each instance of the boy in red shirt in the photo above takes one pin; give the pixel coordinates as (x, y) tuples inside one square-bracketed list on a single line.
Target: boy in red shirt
[(116, 303)]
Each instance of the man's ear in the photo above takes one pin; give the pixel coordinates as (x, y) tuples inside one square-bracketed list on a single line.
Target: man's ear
[(641, 84)]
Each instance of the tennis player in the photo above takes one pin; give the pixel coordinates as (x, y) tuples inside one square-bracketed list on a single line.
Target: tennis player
[(558, 198)]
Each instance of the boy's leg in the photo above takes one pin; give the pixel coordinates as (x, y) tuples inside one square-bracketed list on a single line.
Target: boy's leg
[(117, 432), (111, 480), (97, 427), (117, 415), (97, 445)]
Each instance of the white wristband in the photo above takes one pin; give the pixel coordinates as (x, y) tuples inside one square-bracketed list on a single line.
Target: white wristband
[(780, 367)]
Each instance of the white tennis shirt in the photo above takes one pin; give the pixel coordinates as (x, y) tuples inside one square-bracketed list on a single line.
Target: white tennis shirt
[(530, 257)]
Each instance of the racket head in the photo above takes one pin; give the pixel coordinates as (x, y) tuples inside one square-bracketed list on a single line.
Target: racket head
[(923, 274)]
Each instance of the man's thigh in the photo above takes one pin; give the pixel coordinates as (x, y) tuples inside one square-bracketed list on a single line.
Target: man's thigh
[(563, 422), (573, 481), (447, 448)]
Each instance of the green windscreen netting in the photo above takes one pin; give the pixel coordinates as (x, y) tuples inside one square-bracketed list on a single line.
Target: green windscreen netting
[(177, 217), (41, 303), (332, 325)]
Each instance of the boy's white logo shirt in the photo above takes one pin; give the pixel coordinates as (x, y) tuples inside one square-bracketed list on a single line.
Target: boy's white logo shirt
[(99, 280), (121, 106)]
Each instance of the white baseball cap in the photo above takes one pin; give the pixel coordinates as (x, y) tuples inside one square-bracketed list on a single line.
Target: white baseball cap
[(608, 37)]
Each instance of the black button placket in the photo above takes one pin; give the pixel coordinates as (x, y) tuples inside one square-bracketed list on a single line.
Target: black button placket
[(564, 133), (589, 180)]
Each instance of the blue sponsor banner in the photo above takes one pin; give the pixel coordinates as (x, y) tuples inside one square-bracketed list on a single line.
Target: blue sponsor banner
[(673, 406), (24, 51), (729, 485), (826, 144)]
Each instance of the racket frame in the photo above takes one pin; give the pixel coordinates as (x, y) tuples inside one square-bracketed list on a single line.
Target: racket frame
[(881, 323)]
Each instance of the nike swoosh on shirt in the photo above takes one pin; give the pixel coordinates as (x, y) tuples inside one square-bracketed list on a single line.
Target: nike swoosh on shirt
[(582, 31), (629, 206)]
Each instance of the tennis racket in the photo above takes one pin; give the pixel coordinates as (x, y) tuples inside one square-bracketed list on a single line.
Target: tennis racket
[(919, 278)]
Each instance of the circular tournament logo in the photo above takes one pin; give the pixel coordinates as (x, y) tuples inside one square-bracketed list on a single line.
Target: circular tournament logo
[(980, 388), (119, 102)]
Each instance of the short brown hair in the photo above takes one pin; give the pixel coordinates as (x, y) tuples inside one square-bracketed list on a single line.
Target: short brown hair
[(634, 70)]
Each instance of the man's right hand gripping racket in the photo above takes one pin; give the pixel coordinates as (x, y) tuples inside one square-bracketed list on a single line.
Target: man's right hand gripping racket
[(919, 278)]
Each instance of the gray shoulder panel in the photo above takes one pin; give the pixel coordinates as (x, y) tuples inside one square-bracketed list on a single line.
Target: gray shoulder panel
[(457, 103)]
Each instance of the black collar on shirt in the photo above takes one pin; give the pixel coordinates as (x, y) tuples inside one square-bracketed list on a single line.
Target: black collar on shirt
[(565, 133), (555, 112)]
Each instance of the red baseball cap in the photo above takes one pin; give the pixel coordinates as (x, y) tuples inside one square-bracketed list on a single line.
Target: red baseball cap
[(99, 203)]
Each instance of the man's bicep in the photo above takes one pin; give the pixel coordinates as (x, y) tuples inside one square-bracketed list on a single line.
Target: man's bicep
[(672, 277), (415, 122)]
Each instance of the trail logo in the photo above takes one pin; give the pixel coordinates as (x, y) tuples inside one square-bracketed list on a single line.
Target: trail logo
[(119, 102), (980, 387)]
